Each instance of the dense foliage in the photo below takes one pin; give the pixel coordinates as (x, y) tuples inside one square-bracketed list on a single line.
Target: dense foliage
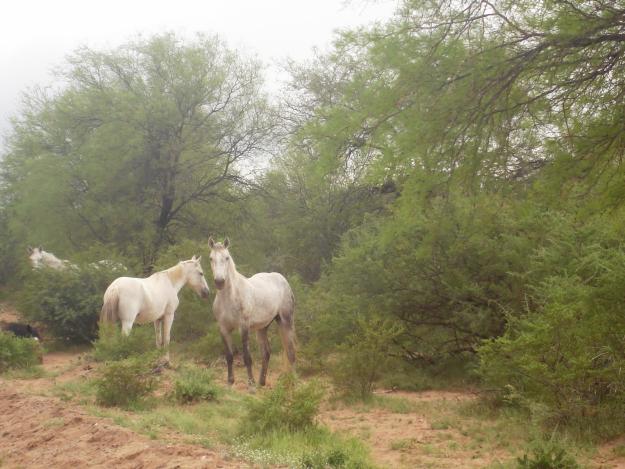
[(445, 188), (67, 302)]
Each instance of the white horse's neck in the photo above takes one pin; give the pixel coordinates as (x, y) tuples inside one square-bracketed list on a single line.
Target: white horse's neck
[(177, 276)]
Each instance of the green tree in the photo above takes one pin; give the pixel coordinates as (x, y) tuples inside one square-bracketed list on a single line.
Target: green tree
[(136, 145)]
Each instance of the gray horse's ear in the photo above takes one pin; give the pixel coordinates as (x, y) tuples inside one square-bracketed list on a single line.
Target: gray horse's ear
[(40, 248), (29, 249), (211, 242), (226, 242)]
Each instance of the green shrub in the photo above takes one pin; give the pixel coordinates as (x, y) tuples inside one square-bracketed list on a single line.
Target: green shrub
[(193, 385), (68, 302), (565, 357), (126, 382), (364, 357), (113, 345), (548, 455), (17, 352), (290, 406)]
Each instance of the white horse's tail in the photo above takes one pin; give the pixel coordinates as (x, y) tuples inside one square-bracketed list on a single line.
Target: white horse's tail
[(109, 308)]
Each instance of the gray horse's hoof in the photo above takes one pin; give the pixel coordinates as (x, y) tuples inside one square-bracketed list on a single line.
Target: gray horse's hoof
[(251, 388)]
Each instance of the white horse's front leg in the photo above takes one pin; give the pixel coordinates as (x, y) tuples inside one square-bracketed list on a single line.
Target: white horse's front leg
[(158, 332), (167, 320)]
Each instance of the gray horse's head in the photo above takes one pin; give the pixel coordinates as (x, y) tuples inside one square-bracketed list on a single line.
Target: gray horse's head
[(221, 261)]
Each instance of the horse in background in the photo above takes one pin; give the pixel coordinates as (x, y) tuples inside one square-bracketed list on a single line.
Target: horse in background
[(153, 299), (251, 304), (40, 258)]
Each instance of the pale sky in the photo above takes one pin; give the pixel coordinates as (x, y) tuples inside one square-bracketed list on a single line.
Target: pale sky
[(36, 35)]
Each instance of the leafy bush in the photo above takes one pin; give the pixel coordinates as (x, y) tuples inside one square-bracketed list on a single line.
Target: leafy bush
[(548, 455), (290, 406), (565, 357), (364, 357), (194, 384), (113, 345), (18, 352), (68, 302), (126, 382)]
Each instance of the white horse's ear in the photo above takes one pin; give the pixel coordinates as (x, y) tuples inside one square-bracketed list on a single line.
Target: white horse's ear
[(193, 258), (226, 242), (198, 259), (211, 242)]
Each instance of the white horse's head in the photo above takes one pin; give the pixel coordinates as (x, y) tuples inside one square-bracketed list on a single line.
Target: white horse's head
[(221, 261), (35, 256), (195, 276)]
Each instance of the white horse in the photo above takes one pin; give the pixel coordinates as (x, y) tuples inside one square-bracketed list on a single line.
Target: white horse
[(251, 304), (40, 258), (153, 299)]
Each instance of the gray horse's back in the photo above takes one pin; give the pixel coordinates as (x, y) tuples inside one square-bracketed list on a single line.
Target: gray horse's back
[(274, 286)]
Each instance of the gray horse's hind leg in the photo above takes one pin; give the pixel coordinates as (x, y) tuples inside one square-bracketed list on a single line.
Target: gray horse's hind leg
[(287, 334), (247, 358), (265, 350), (227, 340)]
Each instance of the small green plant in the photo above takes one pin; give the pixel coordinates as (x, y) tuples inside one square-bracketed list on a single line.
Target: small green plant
[(193, 385), (290, 406), (112, 345), (17, 352), (548, 455), (126, 382), (364, 358)]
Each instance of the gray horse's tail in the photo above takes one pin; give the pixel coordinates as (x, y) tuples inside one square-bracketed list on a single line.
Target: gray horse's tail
[(109, 308), (286, 326)]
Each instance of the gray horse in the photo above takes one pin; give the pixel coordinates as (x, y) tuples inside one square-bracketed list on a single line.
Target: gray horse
[(251, 304)]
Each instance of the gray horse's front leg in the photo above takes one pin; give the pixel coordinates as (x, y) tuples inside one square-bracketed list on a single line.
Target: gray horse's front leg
[(227, 340), (247, 358)]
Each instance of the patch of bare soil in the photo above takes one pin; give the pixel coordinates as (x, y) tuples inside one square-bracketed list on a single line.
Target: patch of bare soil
[(408, 439), (38, 431), (43, 432), (8, 313)]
